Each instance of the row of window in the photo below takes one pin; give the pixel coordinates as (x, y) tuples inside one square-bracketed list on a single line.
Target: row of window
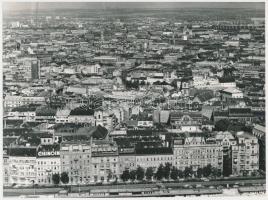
[(155, 159), (47, 163), (22, 161), (47, 168), (196, 157)]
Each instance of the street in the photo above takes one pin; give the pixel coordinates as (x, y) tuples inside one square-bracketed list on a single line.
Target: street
[(42, 191)]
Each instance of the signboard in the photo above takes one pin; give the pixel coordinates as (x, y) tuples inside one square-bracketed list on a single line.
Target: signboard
[(48, 153)]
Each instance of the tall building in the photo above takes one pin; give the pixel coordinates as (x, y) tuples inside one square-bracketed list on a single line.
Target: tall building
[(35, 69)]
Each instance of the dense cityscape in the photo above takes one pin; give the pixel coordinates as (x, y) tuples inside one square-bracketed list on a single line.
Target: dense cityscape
[(113, 99)]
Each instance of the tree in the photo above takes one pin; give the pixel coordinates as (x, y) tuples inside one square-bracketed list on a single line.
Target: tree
[(180, 174), (132, 175), (222, 125), (207, 170), (64, 178), (149, 173), (167, 169), (56, 179), (199, 172), (160, 172), (245, 173), (110, 175), (188, 172), (125, 175), (214, 171), (174, 173), (254, 173), (219, 173), (140, 173)]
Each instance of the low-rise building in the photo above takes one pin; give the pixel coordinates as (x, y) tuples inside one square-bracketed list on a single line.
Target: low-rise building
[(15, 101), (231, 93), (82, 115), (105, 118), (62, 116), (234, 114)]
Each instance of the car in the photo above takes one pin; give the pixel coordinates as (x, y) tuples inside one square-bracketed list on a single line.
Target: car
[(242, 183), (236, 186), (17, 186), (220, 187)]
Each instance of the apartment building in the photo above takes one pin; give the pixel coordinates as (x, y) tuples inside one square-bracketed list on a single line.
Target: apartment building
[(47, 163), (105, 161), (245, 154), (22, 165), (153, 157), (196, 151), (75, 158)]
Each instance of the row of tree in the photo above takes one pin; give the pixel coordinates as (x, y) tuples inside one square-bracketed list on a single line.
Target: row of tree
[(63, 177), (163, 172), (168, 172)]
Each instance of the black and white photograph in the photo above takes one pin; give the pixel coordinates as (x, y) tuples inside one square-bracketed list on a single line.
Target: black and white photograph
[(133, 99)]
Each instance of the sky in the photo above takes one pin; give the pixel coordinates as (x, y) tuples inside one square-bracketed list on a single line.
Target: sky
[(23, 6)]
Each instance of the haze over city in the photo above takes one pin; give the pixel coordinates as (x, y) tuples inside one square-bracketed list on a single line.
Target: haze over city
[(133, 99)]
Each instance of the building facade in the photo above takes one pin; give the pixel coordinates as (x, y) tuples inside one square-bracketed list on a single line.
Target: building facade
[(75, 158), (197, 152), (105, 161), (245, 154), (22, 165), (48, 163), (153, 157)]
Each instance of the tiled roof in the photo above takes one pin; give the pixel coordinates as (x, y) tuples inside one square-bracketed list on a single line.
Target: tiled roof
[(239, 111), (139, 132), (22, 151), (55, 147), (260, 128), (226, 80)]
